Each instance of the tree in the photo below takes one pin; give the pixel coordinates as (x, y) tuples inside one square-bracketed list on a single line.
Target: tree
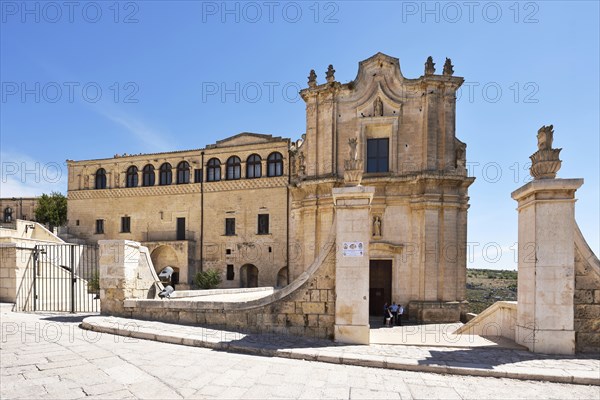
[(208, 279), (52, 209)]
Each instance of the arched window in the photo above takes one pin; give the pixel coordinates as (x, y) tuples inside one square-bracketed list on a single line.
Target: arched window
[(166, 175), (213, 173), (101, 179), (132, 176), (183, 172), (8, 214), (234, 166), (254, 166), (275, 164), (149, 175)]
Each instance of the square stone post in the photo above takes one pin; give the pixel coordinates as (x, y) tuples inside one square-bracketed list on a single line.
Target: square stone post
[(546, 276), (119, 261), (353, 231)]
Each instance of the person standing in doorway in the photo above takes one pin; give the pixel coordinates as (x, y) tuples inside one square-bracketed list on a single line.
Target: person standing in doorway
[(400, 313), (394, 310), (385, 312)]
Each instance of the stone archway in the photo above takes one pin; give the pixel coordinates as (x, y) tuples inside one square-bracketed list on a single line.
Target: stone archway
[(282, 277), (248, 276), (164, 256)]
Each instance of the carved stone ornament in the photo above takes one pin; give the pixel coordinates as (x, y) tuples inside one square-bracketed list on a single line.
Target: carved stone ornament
[(312, 79), (353, 167), (448, 67), (330, 74), (429, 66), (545, 162)]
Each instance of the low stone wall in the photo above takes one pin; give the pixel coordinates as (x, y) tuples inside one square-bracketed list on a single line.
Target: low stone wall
[(587, 297), (306, 307), (497, 320), (435, 311)]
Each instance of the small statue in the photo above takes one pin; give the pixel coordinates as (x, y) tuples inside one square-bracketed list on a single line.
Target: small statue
[(448, 67), (302, 167), (376, 226), (117, 179), (330, 74), (545, 137), (429, 66), (353, 152), (86, 181), (378, 107), (312, 79)]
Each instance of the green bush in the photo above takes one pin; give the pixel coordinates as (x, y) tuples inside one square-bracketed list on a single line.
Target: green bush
[(94, 283), (209, 279)]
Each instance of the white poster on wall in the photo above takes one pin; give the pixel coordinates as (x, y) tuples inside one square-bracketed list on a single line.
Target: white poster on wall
[(353, 249)]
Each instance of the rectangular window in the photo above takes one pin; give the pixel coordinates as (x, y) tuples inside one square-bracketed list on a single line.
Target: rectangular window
[(230, 273), (197, 175), (263, 224), (99, 226), (377, 155), (125, 224), (229, 226), (77, 222)]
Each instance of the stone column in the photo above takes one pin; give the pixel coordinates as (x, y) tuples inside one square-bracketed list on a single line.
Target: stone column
[(546, 277), (353, 229), (119, 261)]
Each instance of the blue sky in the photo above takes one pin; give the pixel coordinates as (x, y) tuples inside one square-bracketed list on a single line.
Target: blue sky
[(91, 79)]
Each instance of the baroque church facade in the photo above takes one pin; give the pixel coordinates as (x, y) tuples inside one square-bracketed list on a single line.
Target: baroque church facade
[(259, 208)]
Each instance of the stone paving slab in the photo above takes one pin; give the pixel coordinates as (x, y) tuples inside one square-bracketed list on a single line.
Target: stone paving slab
[(475, 361)]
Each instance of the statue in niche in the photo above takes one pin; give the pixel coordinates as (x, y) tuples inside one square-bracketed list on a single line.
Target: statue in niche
[(429, 66), (86, 180), (376, 226), (545, 137), (448, 67), (302, 167), (117, 179), (378, 107), (353, 151)]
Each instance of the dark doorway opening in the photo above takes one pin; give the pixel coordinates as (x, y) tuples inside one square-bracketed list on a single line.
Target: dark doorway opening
[(180, 228), (380, 285), (248, 276)]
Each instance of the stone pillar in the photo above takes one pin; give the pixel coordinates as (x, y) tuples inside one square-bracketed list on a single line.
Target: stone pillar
[(119, 261), (353, 229), (546, 277)]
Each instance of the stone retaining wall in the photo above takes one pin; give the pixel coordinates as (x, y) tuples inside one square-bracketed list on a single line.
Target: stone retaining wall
[(587, 297), (306, 307)]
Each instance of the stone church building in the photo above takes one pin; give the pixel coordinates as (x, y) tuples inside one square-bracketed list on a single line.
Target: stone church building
[(258, 208)]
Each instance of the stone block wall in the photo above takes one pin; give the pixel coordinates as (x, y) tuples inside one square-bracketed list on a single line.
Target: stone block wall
[(587, 297), (308, 310)]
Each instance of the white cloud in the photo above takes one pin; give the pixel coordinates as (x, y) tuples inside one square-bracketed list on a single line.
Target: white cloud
[(150, 138), (23, 176)]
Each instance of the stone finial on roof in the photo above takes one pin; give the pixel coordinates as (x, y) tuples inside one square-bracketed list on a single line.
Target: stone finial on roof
[(330, 74), (448, 67), (429, 66), (545, 162), (312, 79)]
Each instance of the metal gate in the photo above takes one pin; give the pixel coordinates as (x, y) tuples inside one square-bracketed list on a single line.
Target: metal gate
[(60, 278)]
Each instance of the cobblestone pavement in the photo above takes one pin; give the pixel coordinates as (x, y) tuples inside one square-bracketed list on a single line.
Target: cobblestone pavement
[(49, 356)]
